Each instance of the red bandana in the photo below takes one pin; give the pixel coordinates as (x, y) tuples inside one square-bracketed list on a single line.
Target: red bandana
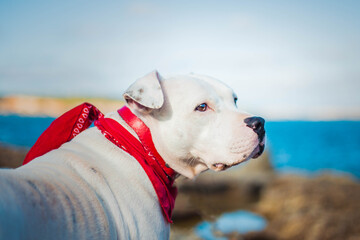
[(63, 129), (67, 126)]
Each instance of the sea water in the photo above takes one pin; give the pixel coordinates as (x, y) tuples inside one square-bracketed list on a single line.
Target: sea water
[(299, 146), (239, 221), (22, 131)]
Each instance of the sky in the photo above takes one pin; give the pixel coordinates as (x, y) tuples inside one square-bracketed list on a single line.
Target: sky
[(284, 59)]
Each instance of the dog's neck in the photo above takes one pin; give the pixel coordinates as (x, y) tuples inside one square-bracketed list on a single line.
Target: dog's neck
[(143, 150), (188, 166), (116, 117)]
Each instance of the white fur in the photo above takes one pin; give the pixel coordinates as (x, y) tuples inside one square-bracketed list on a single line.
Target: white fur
[(90, 189)]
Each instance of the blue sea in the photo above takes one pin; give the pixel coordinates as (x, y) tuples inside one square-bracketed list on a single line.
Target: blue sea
[(293, 146)]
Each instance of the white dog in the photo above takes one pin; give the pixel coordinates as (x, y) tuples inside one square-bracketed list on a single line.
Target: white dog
[(90, 188)]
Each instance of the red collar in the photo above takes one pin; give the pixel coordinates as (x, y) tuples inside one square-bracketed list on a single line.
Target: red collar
[(144, 135), (71, 123), (161, 177)]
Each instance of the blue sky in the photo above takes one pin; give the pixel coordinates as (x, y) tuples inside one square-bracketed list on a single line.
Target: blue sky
[(284, 59)]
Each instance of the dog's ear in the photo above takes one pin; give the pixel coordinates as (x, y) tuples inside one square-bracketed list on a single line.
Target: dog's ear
[(145, 93)]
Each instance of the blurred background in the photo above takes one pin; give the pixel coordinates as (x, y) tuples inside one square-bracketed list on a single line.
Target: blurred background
[(295, 63)]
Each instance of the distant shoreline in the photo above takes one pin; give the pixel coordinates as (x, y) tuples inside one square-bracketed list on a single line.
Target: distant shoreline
[(27, 105), (51, 107)]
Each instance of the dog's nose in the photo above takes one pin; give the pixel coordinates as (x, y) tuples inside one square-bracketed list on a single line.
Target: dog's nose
[(256, 124)]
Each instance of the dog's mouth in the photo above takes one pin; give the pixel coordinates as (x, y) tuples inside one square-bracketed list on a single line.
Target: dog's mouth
[(255, 154), (258, 150)]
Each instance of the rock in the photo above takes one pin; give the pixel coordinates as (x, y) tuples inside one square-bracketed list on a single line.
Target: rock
[(214, 193), (183, 234), (11, 157), (263, 235), (325, 207)]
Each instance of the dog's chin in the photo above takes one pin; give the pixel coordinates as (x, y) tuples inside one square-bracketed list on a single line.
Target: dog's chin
[(223, 166), (258, 150)]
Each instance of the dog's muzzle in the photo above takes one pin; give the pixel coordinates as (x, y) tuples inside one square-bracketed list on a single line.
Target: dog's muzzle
[(257, 124)]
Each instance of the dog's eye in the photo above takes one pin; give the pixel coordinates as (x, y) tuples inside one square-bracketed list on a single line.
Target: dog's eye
[(202, 107), (235, 100)]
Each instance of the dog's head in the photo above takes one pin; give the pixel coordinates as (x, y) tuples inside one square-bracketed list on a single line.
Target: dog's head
[(195, 122)]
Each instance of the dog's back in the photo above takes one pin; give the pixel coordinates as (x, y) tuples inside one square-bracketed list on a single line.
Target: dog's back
[(70, 193)]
